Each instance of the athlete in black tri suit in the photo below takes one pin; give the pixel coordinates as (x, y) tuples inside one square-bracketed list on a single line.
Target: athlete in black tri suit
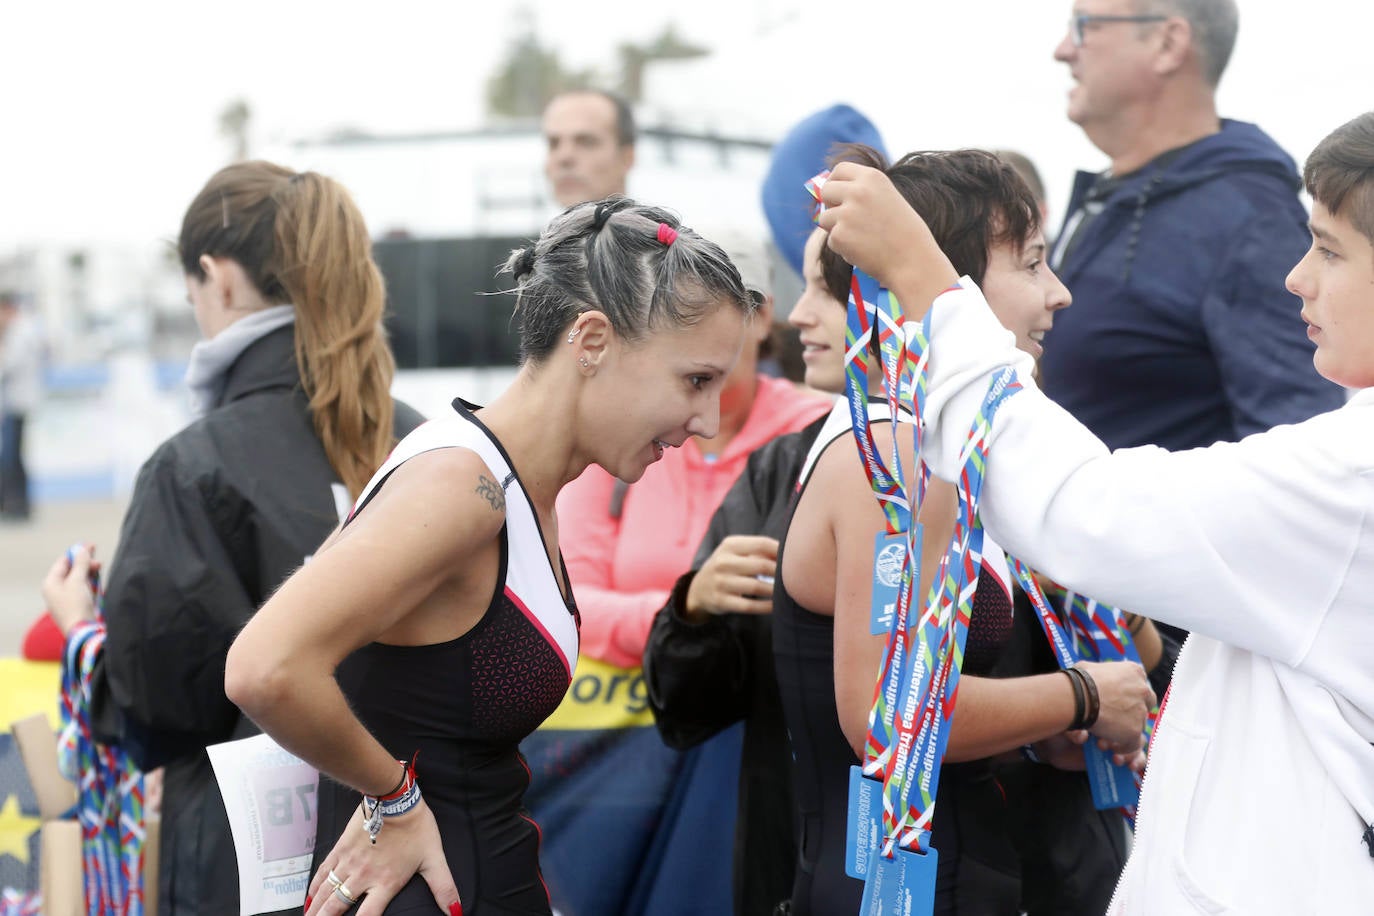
[(437, 625), (977, 863), (451, 704), (983, 216)]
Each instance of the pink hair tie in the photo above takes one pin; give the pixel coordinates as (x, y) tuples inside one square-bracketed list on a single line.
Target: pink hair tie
[(667, 235)]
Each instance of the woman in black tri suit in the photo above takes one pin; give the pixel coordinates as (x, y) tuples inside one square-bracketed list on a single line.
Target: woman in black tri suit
[(984, 217), (437, 626)]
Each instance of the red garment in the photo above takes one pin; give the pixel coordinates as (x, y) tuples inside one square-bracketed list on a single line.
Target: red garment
[(43, 642), (623, 569)]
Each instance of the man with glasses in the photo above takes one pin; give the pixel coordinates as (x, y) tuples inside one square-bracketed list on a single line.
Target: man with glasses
[(1182, 333)]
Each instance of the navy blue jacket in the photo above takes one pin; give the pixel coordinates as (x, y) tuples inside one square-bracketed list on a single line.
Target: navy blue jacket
[(1181, 332)]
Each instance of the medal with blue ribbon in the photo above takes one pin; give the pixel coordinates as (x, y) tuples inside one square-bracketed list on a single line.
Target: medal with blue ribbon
[(1092, 631), (892, 796)]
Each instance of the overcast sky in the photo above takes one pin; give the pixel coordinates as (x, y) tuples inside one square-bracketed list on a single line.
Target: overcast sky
[(109, 111)]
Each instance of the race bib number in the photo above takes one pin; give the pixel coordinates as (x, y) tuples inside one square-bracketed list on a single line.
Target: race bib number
[(271, 797)]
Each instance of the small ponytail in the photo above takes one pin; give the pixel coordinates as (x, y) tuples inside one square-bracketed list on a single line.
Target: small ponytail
[(520, 264)]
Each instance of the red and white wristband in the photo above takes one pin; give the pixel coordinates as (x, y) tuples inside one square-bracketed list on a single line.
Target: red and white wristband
[(401, 800)]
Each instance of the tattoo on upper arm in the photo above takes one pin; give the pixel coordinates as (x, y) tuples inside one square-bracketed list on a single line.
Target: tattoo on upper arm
[(491, 491)]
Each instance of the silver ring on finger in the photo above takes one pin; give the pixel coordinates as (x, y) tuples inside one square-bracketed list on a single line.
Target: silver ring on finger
[(333, 879), (341, 891)]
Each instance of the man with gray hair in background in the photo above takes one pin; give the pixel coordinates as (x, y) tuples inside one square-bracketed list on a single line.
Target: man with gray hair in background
[(1182, 332)]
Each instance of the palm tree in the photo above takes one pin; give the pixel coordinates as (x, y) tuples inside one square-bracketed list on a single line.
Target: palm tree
[(233, 125)]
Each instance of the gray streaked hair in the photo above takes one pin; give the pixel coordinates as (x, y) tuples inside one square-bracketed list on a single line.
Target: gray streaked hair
[(1214, 24), (606, 256)]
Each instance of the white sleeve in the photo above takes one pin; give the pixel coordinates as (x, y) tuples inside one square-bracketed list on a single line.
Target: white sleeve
[(1249, 542)]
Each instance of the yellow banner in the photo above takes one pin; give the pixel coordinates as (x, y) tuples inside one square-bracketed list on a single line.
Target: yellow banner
[(602, 696), (26, 688)]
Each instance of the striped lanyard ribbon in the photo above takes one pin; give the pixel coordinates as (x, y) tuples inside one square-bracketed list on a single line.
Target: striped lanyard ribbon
[(917, 687), (929, 690), (20, 903), (1095, 632), (109, 787), (874, 311), (863, 317)]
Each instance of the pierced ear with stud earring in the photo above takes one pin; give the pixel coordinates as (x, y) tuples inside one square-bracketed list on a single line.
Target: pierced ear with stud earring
[(573, 333), (582, 361)]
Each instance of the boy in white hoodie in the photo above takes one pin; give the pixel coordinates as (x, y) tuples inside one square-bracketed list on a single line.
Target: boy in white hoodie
[(1260, 791)]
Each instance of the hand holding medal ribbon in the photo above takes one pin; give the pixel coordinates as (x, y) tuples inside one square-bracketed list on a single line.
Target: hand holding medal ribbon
[(874, 311), (109, 787), (917, 689), (896, 552), (1092, 631)]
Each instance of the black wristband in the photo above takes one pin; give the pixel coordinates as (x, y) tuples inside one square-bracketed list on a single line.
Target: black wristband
[(1079, 697), (1094, 699), (405, 774)]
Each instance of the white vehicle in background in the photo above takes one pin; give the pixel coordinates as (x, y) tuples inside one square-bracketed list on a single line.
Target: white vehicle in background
[(431, 391)]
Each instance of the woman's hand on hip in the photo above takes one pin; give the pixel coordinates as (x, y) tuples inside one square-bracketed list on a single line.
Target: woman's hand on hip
[(372, 874)]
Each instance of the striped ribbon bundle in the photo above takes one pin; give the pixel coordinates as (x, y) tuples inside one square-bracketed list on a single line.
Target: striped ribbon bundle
[(937, 656), (917, 688), (1099, 634), (20, 903), (874, 311), (109, 787)]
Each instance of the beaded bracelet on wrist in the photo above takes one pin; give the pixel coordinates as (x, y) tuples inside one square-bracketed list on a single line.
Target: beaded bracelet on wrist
[(395, 803), (1094, 700), (1079, 697)]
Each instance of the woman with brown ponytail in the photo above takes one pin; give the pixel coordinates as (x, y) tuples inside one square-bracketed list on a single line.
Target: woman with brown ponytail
[(291, 388)]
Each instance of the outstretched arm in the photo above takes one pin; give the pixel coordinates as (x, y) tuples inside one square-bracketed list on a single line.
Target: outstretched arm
[(1254, 535)]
